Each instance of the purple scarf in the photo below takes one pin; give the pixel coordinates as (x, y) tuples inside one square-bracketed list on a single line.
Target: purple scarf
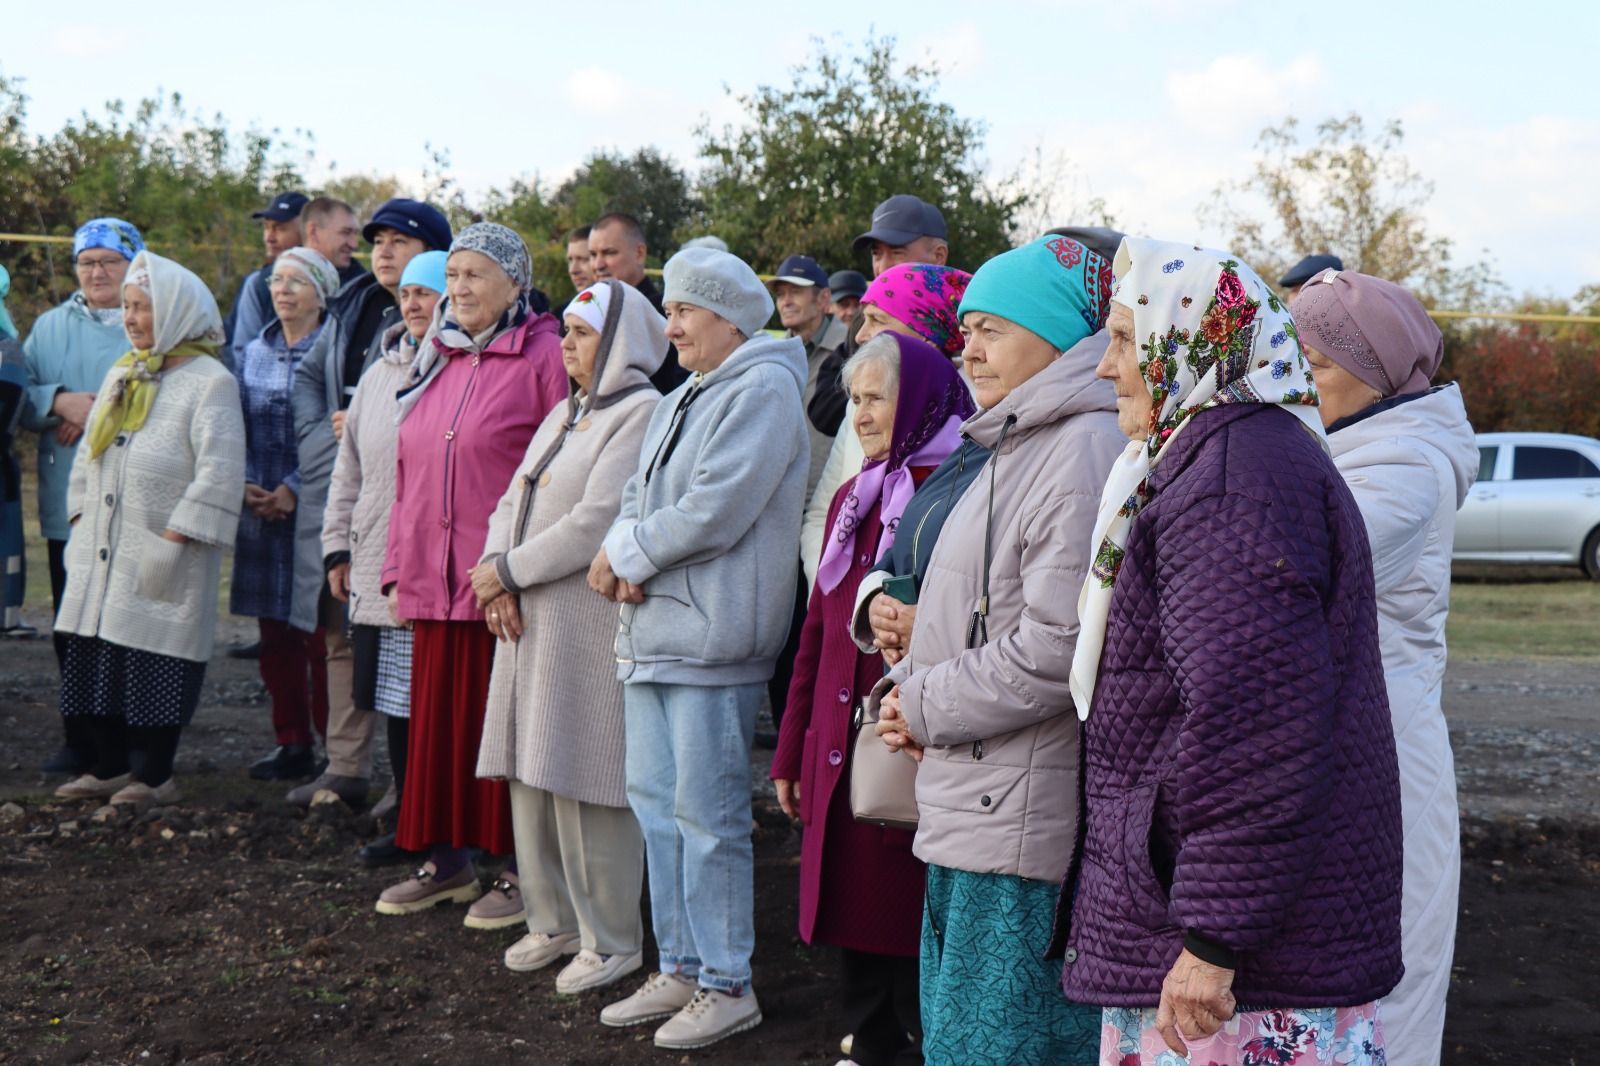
[(930, 406)]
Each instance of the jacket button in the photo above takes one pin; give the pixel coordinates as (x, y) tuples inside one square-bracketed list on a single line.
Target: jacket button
[(122, 438), (104, 554), (985, 801), (354, 536), (109, 499), (449, 434), (1071, 956), (865, 558), (444, 523), (544, 479), (835, 758), (844, 695)]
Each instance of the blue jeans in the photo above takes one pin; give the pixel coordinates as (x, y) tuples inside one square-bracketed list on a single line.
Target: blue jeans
[(696, 823)]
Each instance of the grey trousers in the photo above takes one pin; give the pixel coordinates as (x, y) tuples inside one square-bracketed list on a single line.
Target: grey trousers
[(579, 865)]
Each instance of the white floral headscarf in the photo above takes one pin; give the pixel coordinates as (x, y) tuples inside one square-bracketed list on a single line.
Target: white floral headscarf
[(1210, 332)]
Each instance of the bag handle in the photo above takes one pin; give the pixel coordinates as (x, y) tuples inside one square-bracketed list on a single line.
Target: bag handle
[(978, 628)]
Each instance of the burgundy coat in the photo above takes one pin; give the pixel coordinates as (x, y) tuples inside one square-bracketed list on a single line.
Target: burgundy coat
[(860, 886), (1241, 794)]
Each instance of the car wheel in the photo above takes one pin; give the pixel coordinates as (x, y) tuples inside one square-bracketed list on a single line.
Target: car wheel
[(1591, 554)]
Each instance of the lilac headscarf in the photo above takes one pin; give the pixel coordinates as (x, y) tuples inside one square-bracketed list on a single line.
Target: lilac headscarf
[(924, 297), (931, 403), (1373, 328)]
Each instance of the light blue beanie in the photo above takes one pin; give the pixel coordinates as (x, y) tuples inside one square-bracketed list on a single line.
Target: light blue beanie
[(1054, 287), (425, 269)]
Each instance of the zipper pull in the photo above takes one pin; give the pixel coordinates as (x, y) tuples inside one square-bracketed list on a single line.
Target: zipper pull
[(977, 751)]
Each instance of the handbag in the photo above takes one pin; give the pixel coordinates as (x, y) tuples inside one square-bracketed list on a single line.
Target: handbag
[(883, 782)]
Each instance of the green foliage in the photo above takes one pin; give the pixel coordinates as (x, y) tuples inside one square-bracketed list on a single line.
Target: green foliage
[(818, 152), (1349, 191)]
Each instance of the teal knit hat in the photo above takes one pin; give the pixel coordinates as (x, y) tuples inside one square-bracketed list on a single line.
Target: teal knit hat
[(1054, 287)]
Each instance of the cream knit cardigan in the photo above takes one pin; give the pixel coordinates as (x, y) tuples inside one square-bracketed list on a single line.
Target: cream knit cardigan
[(182, 470)]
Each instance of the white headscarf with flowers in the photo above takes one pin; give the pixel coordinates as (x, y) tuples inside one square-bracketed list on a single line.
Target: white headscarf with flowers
[(1210, 332)]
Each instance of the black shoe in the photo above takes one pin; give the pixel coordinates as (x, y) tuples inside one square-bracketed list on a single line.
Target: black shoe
[(384, 852), (245, 651), (67, 761), (287, 762), (766, 741)]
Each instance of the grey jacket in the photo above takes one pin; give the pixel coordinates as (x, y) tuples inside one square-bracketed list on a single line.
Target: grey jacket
[(998, 788), (713, 532), (318, 449)]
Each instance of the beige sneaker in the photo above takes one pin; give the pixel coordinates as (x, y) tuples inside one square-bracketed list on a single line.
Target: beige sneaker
[(538, 950), (500, 907), (423, 890), (661, 996), (592, 970), (142, 797), (710, 1016), (91, 787)]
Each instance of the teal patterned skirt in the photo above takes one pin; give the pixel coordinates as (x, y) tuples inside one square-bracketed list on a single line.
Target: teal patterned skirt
[(988, 997)]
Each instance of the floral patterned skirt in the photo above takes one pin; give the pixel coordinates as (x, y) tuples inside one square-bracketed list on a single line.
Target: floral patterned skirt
[(1306, 1036)]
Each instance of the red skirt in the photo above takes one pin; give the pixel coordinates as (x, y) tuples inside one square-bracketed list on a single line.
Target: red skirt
[(444, 801)]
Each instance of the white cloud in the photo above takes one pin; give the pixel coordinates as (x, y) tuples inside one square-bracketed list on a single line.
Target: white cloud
[(597, 91), (89, 42), (957, 50), (1235, 93)]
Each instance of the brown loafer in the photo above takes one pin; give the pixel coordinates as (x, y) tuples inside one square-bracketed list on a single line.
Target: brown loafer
[(423, 890)]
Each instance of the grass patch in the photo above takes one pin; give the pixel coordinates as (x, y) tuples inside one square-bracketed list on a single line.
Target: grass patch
[(1544, 619)]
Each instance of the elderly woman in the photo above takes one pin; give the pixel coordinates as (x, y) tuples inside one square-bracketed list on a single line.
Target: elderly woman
[(355, 529), (982, 696), (1241, 830), (913, 300), (1409, 456), (910, 403), (153, 501), (293, 663), (485, 378), (67, 354), (553, 728)]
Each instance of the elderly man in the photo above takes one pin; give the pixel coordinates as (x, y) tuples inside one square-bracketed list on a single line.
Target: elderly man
[(252, 307), (617, 250), (364, 308), (705, 539), (66, 357), (905, 229), (579, 261), (848, 287)]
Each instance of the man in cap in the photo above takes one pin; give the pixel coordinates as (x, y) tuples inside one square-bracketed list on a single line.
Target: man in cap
[(252, 308), (848, 287), (364, 308), (1308, 268), (905, 230), (617, 250)]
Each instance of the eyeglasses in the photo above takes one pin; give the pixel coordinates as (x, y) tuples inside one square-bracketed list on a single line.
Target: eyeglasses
[(106, 265), (292, 282)]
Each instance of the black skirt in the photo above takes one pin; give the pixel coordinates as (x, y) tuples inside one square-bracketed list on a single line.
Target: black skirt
[(143, 688)]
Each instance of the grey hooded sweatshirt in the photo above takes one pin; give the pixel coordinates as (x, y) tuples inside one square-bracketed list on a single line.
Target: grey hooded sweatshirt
[(710, 523)]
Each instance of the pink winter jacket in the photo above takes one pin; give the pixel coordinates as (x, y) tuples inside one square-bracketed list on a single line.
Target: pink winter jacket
[(458, 450)]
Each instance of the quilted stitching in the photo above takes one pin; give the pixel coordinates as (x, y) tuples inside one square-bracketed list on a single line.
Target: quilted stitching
[(1242, 686)]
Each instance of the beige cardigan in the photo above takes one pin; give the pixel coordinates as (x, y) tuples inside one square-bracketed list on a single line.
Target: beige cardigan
[(182, 470), (554, 717)]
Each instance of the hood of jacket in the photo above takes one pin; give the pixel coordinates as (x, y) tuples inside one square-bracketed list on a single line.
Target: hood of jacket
[(630, 347), (1434, 420), (763, 349), (1065, 388)]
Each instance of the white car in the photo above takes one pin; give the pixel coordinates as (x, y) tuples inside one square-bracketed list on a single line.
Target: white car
[(1537, 500)]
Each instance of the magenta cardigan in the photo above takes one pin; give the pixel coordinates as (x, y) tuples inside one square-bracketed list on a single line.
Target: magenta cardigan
[(457, 451)]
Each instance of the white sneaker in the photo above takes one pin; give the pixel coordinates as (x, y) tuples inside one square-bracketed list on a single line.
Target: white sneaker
[(710, 1016), (589, 969), (661, 996), (141, 796), (91, 787), (538, 950)]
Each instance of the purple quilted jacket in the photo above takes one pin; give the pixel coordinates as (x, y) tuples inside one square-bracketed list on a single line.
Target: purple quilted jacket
[(1240, 784)]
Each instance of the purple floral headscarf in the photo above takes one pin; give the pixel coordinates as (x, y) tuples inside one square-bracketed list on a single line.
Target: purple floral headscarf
[(931, 403), (924, 297)]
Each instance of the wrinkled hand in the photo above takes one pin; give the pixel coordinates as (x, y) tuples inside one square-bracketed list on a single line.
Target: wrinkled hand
[(256, 499), (73, 409), (504, 617), (892, 726), (338, 425), (279, 505), (486, 584), (174, 536), (891, 623), (67, 433), (394, 607), (339, 582), (1196, 996), (628, 592), (789, 797), (601, 577)]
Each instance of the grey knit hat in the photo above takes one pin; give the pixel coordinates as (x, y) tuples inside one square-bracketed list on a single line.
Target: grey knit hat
[(500, 243), (719, 282)]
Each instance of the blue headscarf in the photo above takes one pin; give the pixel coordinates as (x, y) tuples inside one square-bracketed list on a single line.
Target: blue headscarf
[(113, 233), (1054, 287), (7, 327)]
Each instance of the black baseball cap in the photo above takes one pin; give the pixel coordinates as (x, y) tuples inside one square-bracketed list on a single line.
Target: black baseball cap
[(413, 218), (848, 283), (284, 206), (899, 220), (1308, 268), (801, 270)]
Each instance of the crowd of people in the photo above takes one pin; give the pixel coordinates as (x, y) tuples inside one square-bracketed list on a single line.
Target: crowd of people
[(1097, 596)]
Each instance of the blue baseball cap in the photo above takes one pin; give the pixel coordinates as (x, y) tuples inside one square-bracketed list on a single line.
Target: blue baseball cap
[(899, 220), (413, 218), (284, 206), (1308, 268), (801, 270)]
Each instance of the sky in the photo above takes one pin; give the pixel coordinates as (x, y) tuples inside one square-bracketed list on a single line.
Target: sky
[(1148, 104)]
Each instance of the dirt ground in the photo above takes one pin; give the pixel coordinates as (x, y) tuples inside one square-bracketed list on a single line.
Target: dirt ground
[(232, 928)]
